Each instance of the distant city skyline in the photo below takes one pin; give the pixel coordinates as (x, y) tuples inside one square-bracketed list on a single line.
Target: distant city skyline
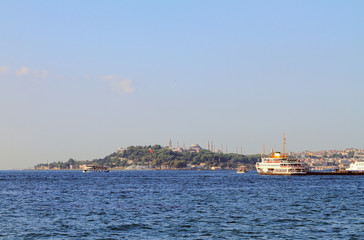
[(225, 148), (78, 79)]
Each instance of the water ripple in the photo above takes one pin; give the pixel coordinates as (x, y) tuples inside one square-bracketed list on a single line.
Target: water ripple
[(179, 204)]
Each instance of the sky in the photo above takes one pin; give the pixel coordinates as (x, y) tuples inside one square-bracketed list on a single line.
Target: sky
[(78, 79)]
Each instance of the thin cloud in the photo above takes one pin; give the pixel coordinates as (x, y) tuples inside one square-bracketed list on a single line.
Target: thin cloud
[(4, 69), (118, 84), (109, 78), (22, 71), (124, 86), (33, 73)]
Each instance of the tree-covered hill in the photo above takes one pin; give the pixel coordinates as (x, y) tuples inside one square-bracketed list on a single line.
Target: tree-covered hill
[(161, 158)]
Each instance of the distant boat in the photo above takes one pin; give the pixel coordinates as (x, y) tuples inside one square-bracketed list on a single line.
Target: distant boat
[(242, 169), (357, 166), (95, 169)]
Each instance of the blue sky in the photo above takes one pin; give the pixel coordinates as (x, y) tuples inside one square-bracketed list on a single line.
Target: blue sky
[(80, 78)]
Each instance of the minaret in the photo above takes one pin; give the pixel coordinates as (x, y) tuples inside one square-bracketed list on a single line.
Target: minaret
[(170, 144)]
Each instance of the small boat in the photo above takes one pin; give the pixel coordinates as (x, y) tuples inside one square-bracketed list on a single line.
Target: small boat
[(94, 168), (242, 169)]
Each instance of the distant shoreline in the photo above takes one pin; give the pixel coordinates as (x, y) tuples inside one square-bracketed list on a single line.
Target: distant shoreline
[(55, 170)]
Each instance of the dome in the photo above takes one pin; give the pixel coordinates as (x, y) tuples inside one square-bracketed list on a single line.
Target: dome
[(195, 146)]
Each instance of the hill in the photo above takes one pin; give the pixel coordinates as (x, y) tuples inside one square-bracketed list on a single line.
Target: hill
[(158, 157)]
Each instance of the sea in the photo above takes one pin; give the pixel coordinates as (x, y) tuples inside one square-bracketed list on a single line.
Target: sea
[(179, 205)]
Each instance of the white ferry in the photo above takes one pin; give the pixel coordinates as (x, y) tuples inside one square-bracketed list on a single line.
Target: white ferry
[(280, 164), (357, 166)]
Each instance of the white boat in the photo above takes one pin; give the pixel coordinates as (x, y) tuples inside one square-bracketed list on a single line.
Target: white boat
[(280, 164), (95, 169), (356, 166)]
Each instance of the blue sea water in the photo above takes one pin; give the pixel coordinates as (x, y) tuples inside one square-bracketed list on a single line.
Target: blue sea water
[(179, 205)]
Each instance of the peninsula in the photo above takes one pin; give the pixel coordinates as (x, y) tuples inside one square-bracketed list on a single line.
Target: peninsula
[(157, 157)]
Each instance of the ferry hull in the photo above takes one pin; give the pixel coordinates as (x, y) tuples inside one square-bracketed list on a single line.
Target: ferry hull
[(284, 174)]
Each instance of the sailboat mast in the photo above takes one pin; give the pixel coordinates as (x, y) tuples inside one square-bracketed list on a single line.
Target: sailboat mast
[(284, 143)]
